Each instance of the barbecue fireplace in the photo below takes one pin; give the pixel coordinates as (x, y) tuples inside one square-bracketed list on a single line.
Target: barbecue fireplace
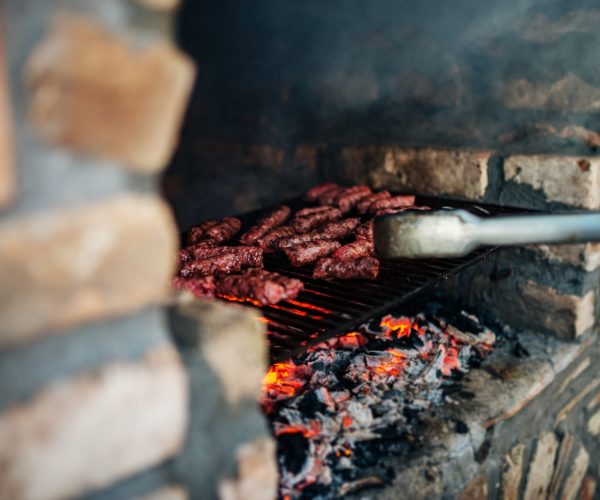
[(132, 122)]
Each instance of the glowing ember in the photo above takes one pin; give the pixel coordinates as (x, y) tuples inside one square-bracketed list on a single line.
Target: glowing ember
[(335, 399), (401, 327)]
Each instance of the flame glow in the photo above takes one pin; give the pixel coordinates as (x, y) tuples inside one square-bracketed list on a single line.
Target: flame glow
[(401, 326)]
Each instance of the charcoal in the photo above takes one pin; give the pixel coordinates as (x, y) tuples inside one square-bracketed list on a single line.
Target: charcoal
[(352, 401)]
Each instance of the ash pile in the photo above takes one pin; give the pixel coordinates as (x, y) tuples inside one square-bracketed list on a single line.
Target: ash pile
[(342, 407)]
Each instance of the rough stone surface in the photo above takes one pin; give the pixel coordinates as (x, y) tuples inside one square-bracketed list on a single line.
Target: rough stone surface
[(7, 180), (568, 315), (476, 489), (89, 431), (159, 4), (93, 93), (569, 180), (593, 425), (257, 477), (434, 171), (585, 256), (69, 267), (578, 471), (541, 467), (168, 493), (542, 29), (513, 470), (232, 342)]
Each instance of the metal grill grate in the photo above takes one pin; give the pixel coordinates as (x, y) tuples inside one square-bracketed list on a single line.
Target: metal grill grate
[(325, 309)]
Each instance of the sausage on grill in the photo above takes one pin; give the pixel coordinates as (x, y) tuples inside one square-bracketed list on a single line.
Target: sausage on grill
[(312, 221), (313, 193), (201, 287), (309, 252), (196, 233), (265, 225), (269, 241), (331, 231), (393, 202), (364, 204), (364, 267), (223, 264), (348, 198), (224, 230), (354, 250), (259, 285)]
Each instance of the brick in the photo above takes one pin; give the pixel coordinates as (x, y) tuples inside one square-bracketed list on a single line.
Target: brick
[(570, 180), (476, 489), (513, 471), (92, 430), (585, 256), (68, 267), (305, 156), (257, 477), (232, 333), (167, 493), (593, 425), (569, 316), (578, 471), (93, 93), (570, 94), (7, 177), (264, 155), (434, 171), (541, 467), (159, 4)]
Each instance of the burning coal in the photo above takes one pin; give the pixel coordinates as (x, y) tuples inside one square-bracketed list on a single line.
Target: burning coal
[(334, 408)]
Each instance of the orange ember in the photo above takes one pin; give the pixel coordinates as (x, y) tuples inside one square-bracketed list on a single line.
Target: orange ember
[(237, 299), (393, 367), (401, 326), (281, 380), (306, 305), (450, 361), (347, 422), (313, 429)]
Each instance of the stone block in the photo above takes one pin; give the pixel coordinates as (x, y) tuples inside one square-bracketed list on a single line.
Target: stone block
[(89, 431), (585, 256), (570, 94), (513, 471), (541, 467), (257, 477), (71, 266), (568, 315), (7, 176), (434, 171), (568, 180), (93, 93), (578, 471), (231, 340)]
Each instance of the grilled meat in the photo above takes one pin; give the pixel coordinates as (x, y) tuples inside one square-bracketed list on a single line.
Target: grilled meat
[(364, 204), (364, 267), (265, 225), (303, 212), (365, 231), (313, 193), (201, 287), (269, 241), (314, 220), (329, 197), (196, 233), (224, 230), (309, 252), (199, 252), (393, 202), (226, 263), (259, 285), (354, 250), (349, 197), (331, 231)]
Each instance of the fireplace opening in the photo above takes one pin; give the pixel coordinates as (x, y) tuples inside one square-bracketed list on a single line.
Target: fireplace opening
[(476, 107)]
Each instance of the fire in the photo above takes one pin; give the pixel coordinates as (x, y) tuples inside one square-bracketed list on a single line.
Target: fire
[(393, 367), (401, 326), (450, 360), (311, 430), (232, 298), (281, 380)]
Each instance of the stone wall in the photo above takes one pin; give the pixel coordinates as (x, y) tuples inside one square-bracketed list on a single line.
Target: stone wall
[(96, 398)]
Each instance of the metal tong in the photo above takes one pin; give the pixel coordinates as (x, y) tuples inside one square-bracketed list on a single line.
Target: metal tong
[(454, 233)]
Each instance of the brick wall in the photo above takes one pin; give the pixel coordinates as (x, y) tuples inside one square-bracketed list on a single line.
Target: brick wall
[(96, 398)]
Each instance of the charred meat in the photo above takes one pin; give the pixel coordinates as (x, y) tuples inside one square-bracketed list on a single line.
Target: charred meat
[(314, 220), (331, 231), (305, 253), (224, 230), (364, 267), (265, 225), (223, 264), (354, 250), (259, 285), (393, 202)]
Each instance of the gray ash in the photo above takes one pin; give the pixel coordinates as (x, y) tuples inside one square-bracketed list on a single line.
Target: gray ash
[(339, 409)]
